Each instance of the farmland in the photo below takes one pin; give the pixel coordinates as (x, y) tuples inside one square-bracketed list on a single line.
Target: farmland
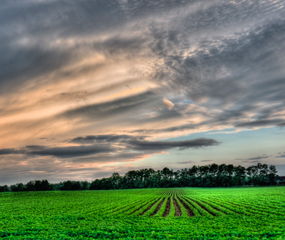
[(172, 213)]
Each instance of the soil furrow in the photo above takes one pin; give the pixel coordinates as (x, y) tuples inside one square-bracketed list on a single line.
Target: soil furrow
[(158, 207), (189, 211), (167, 208), (177, 208), (149, 207)]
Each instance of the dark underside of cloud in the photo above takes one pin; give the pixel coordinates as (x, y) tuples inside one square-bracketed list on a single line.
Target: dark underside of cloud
[(7, 151), (164, 145), (262, 157), (102, 138), (110, 145), (261, 123)]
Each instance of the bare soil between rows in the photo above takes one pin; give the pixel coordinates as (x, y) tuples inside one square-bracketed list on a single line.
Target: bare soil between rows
[(149, 207), (167, 208), (177, 208), (189, 211), (158, 207)]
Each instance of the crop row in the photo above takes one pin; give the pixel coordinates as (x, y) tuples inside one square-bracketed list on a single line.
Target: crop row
[(184, 202), (177, 203)]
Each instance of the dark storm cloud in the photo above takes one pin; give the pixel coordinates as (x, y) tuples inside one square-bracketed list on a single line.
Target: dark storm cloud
[(34, 147), (260, 123), (7, 151), (73, 151), (102, 138), (139, 143), (170, 129), (108, 146), (60, 152), (164, 145)]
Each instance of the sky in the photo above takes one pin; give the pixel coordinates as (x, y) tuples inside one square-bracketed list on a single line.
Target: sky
[(88, 88)]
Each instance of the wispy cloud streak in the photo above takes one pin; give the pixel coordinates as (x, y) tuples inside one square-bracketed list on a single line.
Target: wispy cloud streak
[(106, 78)]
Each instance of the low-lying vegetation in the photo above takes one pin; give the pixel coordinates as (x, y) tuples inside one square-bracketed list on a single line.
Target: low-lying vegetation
[(173, 213)]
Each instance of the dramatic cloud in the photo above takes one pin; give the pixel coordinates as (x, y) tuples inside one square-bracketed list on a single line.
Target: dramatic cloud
[(164, 145), (114, 110), (8, 151), (74, 151), (60, 152), (103, 138), (260, 123), (121, 145), (130, 76)]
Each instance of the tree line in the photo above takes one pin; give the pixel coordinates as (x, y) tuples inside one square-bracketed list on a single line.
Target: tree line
[(212, 175)]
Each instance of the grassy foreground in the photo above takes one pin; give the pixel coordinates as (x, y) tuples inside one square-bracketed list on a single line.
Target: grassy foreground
[(181, 213)]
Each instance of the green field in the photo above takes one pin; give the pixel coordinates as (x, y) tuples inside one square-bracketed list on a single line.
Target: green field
[(180, 213)]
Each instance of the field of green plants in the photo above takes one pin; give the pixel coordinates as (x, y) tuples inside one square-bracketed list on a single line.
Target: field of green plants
[(171, 213)]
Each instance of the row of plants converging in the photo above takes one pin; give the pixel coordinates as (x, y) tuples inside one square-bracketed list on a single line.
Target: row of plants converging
[(165, 213), (177, 203), (162, 203), (155, 203)]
